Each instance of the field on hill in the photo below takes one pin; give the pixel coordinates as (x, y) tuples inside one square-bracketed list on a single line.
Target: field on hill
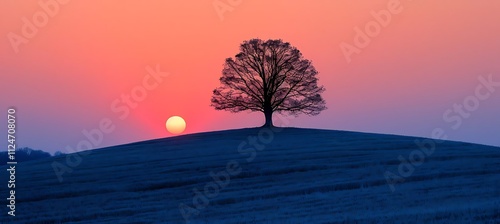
[(256, 176)]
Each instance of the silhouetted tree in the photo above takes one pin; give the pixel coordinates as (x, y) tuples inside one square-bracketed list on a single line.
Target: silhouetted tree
[(269, 76)]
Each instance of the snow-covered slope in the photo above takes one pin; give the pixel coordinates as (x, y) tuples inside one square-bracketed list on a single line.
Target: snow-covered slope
[(291, 176)]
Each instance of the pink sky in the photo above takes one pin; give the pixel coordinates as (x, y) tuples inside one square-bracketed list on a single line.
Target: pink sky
[(66, 75)]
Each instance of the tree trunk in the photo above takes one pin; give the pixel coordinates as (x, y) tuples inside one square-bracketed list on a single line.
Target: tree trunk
[(269, 118)]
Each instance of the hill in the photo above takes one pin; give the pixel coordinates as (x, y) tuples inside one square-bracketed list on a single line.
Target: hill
[(23, 155), (261, 176)]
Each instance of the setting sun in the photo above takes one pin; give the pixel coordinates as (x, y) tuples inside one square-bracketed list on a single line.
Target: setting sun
[(176, 125)]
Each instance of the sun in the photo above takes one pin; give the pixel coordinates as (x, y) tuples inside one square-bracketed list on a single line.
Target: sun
[(176, 125)]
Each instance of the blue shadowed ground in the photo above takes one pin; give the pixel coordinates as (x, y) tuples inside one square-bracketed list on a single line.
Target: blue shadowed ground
[(298, 176)]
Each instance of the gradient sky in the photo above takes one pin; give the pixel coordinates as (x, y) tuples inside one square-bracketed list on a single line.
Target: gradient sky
[(65, 78)]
